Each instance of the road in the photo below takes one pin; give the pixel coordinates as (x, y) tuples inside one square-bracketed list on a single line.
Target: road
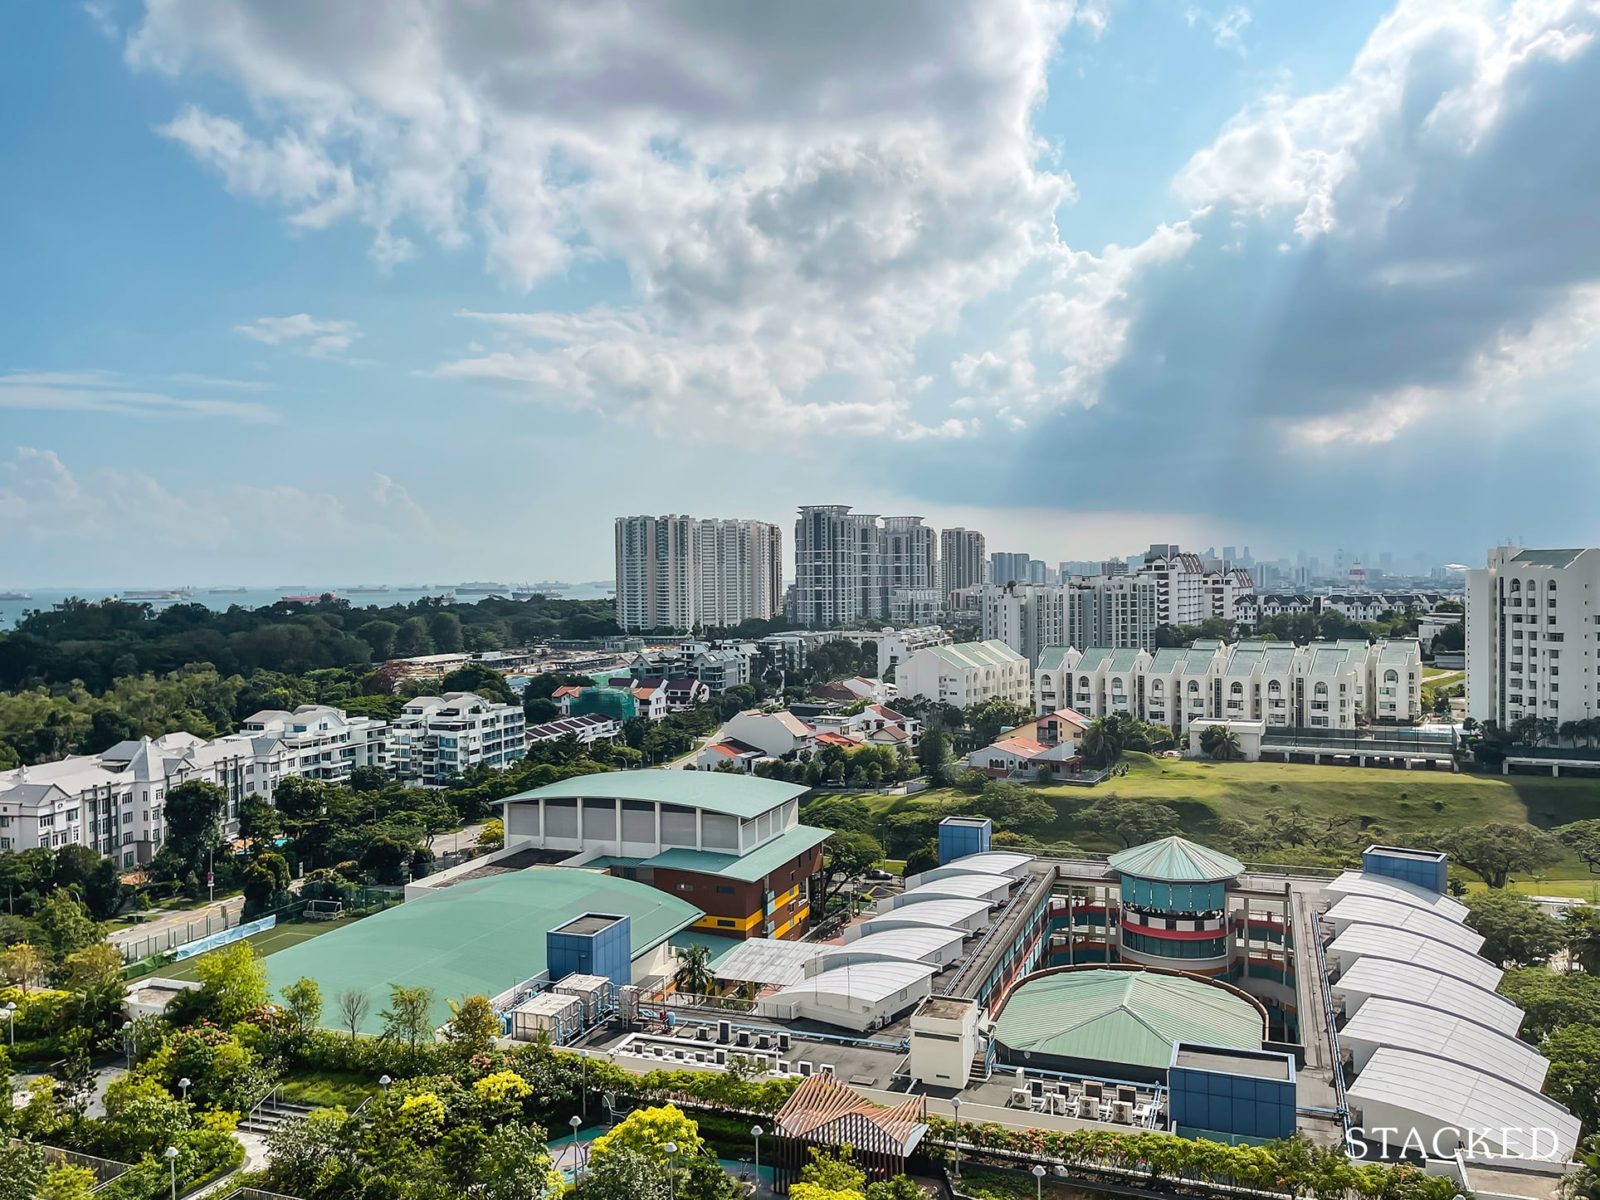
[(159, 931)]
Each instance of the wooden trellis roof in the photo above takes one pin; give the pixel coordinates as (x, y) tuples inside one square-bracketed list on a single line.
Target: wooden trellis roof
[(826, 1112)]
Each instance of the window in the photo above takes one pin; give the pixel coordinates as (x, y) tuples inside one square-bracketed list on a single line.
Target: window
[(724, 890)]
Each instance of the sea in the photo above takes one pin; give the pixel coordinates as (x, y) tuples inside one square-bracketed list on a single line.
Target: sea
[(223, 597)]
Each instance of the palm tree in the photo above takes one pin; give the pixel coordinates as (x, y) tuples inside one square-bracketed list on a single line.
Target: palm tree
[(1224, 743), (694, 973), (1102, 741)]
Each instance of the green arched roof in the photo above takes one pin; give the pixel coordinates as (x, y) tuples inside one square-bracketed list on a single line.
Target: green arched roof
[(1177, 860), (1123, 1016)]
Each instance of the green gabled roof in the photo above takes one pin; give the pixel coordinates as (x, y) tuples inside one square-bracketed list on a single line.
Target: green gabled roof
[(1177, 860), (1547, 558), (1053, 658), (1123, 1016), (758, 864), (713, 791)]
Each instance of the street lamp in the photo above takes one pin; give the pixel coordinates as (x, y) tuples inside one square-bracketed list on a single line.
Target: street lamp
[(955, 1103), (671, 1149), (577, 1123), (171, 1153), (1038, 1181), (756, 1131), (130, 1042), (383, 1082), (184, 1085), (11, 1020)]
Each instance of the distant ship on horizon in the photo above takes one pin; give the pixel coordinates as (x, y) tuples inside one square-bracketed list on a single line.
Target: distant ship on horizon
[(226, 591), (16, 595), (157, 594), (368, 590), (480, 588)]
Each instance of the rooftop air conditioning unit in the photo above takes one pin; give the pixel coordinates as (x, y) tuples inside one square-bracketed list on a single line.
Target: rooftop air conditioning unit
[(827, 1069), (803, 1067)]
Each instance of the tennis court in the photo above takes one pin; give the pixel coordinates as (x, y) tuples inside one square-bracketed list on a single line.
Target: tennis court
[(270, 941)]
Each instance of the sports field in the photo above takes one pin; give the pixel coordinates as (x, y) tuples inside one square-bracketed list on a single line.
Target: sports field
[(1402, 803), (279, 937)]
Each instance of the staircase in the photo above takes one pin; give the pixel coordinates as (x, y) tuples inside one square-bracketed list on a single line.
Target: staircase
[(272, 1114)]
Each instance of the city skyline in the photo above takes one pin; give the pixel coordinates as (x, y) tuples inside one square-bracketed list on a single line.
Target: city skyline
[(286, 300)]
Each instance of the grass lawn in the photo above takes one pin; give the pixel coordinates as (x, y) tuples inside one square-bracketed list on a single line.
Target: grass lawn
[(269, 941), (1404, 803), (325, 1089)]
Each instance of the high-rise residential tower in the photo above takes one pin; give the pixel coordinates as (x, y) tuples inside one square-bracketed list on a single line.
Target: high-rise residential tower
[(676, 572), (837, 570), (961, 559)]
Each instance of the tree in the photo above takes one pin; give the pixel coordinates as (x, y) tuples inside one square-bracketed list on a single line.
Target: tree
[(1583, 839), (1551, 1000), (193, 819), (64, 923), (63, 1181), (492, 836), (645, 1131), (1102, 742), (624, 1174), (1221, 742), (407, 1017), (445, 630), (475, 677), (1129, 822), (23, 966), (266, 883), (1013, 807), (934, 757), (1515, 931), (412, 639), (259, 822), (514, 1164), (473, 1026), (21, 1170), (845, 856), (692, 972), (898, 1187), (1574, 1076), (924, 858), (827, 1177), (233, 982), (93, 967), (353, 1007), (303, 999), (1497, 849), (380, 636), (1582, 925), (95, 877)]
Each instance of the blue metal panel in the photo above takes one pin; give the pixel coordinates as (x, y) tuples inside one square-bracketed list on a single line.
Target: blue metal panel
[(1240, 1105), (1174, 897), (608, 951), (961, 836), (1431, 871)]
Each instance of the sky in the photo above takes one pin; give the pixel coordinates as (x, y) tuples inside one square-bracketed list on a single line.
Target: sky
[(420, 289)]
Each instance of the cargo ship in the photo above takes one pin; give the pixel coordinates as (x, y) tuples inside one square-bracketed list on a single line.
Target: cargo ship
[(16, 596), (479, 588)]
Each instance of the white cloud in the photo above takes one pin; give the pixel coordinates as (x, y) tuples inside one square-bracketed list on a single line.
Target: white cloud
[(119, 515), (113, 394), (799, 196), (319, 338)]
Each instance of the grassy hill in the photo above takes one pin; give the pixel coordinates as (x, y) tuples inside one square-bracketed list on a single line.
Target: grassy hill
[(1403, 803)]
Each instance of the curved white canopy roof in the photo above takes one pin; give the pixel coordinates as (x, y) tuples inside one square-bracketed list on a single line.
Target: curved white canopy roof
[(946, 914), (1407, 1026), (1368, 883), (1453, 1094), (865, 983), (1391, 914), (904, 945), (1431, 989), (1402, 945), (973, 886)]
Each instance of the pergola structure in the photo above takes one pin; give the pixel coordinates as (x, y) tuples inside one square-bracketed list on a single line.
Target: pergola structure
[(826, 1115)]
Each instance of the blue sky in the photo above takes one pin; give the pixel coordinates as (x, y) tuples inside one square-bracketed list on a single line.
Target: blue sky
[(430, 290)]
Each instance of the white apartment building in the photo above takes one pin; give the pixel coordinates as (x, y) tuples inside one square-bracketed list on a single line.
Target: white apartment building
[(437, 738), (908, 560), (894, 646), (113, 802), (1029, 618), (675, 571), (965, 674), (916, 606), (1190, 588), (1533, 636), (962, 560), (1329, 685), (836, 566)]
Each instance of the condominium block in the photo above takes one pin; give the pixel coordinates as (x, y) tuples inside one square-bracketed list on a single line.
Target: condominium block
[(675, 572), (961, 559), (1533, 636)]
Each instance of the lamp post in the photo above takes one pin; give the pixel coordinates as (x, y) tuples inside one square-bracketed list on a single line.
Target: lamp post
[(955, 1103), (384, 1081), (756, 1131), (11, 1021), (130, 1042), (577, 1123), (1038, 1181), (184, 1085), (671, 1149), (171, 1153)]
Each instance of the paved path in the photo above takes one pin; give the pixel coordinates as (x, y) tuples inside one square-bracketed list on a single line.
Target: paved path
[(223, 914)]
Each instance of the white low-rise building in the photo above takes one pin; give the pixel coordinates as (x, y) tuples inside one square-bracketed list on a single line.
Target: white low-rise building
[(1330, 685), (437, 738), (967, 673)]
